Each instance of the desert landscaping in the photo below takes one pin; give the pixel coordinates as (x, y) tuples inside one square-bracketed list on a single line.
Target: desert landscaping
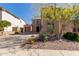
[(11, 45)]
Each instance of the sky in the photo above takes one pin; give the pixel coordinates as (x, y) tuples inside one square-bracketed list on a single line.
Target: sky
[(22, 10), (36, 7), (27, 11)]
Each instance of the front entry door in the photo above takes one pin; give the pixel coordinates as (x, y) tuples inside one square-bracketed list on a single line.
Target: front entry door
[(37, 29), (21, 29)]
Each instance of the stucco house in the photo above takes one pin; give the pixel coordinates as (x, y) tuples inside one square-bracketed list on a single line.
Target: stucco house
[(16, 22), (43, 26), (36, 25), (28, 28)]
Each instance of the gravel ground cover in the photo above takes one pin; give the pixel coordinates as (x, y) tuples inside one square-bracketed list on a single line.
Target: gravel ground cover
[(57, 45)]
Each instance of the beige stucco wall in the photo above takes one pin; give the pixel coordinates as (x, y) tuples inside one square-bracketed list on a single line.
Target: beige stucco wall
[(69, 27), (43, 25), (57, 27)]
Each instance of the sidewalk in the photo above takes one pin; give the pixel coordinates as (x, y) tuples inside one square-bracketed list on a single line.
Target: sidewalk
[(44, 52), (37, 52)]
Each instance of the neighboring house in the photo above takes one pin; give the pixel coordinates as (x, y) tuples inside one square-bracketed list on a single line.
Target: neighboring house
[(28, 28), (17, 24)]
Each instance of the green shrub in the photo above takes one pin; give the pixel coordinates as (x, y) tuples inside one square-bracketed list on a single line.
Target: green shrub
[(43, 37), (31, 40), (71, 36)]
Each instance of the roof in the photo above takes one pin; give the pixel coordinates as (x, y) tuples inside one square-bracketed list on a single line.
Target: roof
[(1, 8)]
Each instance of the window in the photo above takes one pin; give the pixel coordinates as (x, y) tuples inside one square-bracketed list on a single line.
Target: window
[(74, 29), (50, 28), (14, 28), (78, 29)]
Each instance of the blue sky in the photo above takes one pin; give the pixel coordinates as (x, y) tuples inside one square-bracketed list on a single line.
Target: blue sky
[(23, 11)]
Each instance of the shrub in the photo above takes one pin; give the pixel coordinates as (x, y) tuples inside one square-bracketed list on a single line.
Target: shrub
[(32, 36), (16, 32), (43, 37), (31, 40), (71, 36)]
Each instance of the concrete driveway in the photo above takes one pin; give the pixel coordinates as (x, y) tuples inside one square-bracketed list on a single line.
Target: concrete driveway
[(10, 41)]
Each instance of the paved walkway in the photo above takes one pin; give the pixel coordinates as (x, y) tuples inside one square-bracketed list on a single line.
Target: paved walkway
[(37, 52)]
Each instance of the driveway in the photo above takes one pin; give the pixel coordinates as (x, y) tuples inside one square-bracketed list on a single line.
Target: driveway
[(10, 41)]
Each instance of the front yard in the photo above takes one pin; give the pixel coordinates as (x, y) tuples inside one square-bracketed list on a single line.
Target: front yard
[(13, 41), (11, 45)]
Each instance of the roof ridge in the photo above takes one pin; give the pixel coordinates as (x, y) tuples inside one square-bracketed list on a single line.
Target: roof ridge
[(3, 9)]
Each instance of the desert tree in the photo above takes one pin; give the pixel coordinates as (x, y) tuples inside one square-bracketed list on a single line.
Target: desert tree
[(57, 13), (4, 24)]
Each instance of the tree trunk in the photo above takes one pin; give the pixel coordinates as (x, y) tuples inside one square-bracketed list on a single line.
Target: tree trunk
[(60, 34), (60, 38)]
